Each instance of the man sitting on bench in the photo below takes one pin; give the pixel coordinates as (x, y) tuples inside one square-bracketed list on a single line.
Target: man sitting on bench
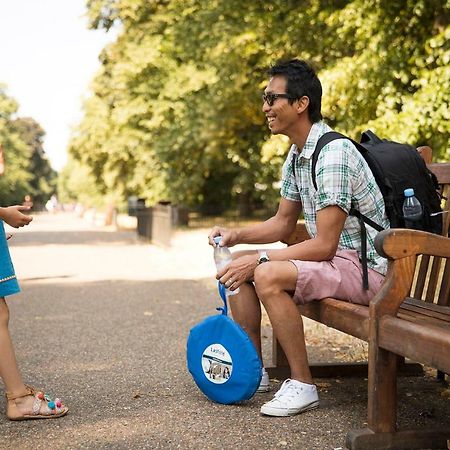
[(328, 264)]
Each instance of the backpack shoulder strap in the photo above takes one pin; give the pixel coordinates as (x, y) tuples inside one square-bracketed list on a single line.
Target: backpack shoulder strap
[(323, 140)]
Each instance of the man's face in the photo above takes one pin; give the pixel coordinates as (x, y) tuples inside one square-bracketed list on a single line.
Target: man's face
[(281, 116)]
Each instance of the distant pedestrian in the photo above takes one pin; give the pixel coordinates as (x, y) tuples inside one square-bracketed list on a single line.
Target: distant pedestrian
[(23, 402), (52, 204)]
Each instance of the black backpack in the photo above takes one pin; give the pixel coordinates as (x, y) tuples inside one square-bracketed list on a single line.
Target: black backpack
[(395, 167)]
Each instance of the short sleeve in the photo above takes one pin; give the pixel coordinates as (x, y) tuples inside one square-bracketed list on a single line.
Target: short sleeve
[(289, 188)]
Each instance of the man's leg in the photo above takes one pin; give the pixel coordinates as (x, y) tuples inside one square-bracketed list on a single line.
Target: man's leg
[(246, 308), (246, 311), (272, 280)]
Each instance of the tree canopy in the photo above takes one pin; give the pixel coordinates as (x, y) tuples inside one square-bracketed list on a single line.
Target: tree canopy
[(27, 169), (175, 111)]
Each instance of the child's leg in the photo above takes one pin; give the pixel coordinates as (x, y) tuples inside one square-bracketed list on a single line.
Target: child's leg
[(21, 400), (9, 370)]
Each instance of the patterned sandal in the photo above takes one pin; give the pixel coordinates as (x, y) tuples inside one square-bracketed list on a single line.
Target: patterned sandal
[(55, 407)]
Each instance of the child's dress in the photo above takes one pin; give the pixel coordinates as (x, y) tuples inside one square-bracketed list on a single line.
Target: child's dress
[(8, 281)]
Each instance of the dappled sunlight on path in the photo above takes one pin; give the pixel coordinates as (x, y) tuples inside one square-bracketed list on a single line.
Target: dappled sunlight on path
[(65, 248)]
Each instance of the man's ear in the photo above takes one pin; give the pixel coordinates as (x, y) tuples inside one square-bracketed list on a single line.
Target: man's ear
[(302, 104)]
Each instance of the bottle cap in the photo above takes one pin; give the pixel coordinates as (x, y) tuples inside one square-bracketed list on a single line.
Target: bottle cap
[(217, 239), (409, 192)]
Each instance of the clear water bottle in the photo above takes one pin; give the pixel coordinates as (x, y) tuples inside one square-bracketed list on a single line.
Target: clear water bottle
[(412, 209), (222, 257)]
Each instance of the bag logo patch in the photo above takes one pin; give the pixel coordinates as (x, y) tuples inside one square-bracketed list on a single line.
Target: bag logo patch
[(217, 364)]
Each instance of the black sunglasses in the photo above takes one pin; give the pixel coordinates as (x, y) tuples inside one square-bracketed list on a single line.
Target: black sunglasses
[(270, 98)]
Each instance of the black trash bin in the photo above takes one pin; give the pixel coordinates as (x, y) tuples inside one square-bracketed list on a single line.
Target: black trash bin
[(135, 204), (162, 224), (180, 216), (145, 222)]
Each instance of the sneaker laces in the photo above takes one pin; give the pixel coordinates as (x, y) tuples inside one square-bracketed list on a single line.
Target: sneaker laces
[(288, 389)]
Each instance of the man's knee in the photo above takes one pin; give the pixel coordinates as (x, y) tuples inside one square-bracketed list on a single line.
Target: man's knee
[(266, 281), (4, 313)]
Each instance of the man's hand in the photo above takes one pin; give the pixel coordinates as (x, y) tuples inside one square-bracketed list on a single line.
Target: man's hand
[(238, 271), (229, 237), (13, 217)]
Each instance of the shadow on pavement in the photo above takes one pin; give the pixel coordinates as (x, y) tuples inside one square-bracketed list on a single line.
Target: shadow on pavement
[(73, 237), (115, 351)]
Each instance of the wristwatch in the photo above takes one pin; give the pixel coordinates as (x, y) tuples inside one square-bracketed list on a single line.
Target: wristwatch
[(263, 257)]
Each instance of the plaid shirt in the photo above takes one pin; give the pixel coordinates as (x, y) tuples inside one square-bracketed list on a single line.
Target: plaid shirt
[(343, 178)]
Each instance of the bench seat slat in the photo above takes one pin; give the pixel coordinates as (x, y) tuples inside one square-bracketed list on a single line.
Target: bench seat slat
[(353, 319), (427, 309), (424, 320), (343, 316), (426, 344)]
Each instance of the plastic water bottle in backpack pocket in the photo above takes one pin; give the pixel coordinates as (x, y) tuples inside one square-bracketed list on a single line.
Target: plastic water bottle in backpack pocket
[(412, 210)]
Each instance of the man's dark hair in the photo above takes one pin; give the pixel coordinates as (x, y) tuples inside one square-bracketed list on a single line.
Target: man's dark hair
[(301, 80)]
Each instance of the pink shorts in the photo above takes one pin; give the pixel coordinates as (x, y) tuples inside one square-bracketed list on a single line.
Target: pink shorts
[(339, 278)]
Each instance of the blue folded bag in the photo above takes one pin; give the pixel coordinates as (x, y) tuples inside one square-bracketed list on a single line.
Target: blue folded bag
[(222, 358)]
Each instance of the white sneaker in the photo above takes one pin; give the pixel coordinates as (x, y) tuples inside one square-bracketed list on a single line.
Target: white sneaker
[(293, 397), (264, 384)]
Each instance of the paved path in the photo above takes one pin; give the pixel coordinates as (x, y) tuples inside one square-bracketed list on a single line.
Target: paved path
[(102, 321)]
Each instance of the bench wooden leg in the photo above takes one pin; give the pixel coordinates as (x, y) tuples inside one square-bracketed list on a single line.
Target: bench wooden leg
[(382, 390), (280, 368)]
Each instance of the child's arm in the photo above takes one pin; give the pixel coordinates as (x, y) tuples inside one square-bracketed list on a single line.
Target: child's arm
[(12, 216)]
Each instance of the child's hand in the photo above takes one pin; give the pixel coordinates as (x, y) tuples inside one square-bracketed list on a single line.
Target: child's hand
[(13, 217)]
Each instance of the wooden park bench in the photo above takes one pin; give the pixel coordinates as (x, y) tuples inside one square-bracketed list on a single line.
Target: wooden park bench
[(408, 318)]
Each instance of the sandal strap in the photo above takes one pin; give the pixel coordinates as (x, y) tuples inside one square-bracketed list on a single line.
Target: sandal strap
[(29, 390)]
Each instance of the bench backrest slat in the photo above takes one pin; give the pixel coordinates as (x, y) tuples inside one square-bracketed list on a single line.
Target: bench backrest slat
[(421, 278), (433, 280), (444, 292), (432, 283), (442, 171)]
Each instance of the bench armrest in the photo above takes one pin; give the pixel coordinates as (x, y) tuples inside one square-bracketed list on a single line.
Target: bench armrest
[(397, 243)]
